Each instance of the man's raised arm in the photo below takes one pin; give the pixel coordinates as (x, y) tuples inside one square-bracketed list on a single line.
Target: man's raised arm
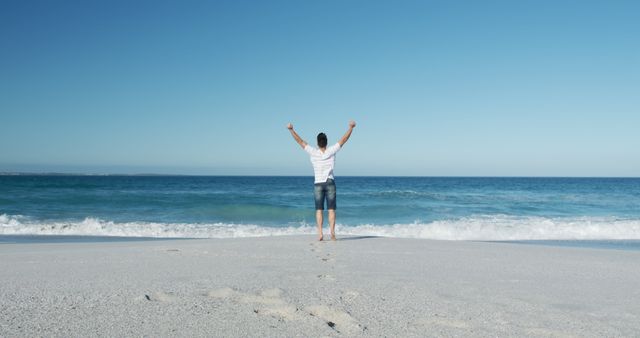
[(345, 138), (296, 137)]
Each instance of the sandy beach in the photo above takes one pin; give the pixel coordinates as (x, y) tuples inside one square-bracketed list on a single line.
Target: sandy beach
[(293, 286)]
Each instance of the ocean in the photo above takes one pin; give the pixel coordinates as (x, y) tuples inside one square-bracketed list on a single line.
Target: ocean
[(602, 212)]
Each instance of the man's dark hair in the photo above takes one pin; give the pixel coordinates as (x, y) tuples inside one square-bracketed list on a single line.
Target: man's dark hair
[(322, 140)]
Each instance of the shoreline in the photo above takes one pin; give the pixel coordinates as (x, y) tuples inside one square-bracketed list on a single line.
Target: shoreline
[(607, 244), (294, 286)]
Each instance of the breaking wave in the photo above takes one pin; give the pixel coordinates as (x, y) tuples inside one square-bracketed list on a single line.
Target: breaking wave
[(484, 227)]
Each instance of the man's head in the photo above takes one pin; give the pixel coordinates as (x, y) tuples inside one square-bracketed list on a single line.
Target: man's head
[(322, 140)]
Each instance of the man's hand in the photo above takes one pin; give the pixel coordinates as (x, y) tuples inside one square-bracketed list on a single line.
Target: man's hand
[(289, 126), (352, 124)]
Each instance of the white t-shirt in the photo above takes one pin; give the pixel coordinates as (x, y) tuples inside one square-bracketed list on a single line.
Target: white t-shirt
[(322, 161)]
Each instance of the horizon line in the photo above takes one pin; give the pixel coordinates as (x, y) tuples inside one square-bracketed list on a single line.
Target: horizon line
[(53, 173)]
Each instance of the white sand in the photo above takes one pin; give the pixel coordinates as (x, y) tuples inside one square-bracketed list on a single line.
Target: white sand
[(292, 286)]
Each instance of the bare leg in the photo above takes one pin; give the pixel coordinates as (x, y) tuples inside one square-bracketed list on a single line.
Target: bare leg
[(319, 222), (332, 223)]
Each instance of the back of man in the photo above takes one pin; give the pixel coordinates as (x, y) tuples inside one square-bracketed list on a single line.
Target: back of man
[(323, 161)]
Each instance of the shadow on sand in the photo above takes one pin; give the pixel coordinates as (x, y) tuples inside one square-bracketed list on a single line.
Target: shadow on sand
[(352, 238)]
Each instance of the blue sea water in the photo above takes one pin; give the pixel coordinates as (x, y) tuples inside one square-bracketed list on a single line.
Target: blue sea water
[(452, 208)]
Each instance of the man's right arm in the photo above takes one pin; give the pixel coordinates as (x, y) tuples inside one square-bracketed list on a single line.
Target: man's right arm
[(296, 137)]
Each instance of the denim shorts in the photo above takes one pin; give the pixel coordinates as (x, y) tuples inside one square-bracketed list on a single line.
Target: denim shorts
[(322, 191)]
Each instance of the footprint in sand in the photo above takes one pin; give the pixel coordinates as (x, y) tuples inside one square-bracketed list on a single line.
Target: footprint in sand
[(160, 297), (326, 277), (350, 295), (268, 302), (222, 293), (316, 246), (328, 258), (324, 257), (338, 320), (443, 323)]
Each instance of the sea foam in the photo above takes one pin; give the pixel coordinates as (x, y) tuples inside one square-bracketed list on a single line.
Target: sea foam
[(481, 227)]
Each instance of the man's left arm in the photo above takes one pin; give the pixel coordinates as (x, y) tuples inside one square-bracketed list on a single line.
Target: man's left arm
[(345, 138)]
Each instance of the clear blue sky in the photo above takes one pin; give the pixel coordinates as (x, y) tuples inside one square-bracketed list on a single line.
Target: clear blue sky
[(517, 88)]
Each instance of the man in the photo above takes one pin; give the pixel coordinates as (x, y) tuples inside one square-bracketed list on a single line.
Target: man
[(323, 160)]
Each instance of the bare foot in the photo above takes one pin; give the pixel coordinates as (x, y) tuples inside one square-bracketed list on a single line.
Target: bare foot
[(333, 237), (320, 238)]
